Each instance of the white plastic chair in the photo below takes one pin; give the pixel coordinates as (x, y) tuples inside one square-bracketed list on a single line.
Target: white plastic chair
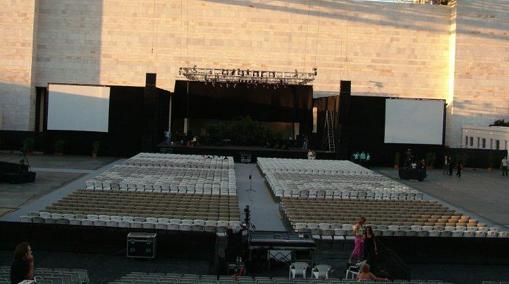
[(321, 271), (296, 269)]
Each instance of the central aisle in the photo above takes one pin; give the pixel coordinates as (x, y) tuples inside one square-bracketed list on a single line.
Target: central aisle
[(264, 210)]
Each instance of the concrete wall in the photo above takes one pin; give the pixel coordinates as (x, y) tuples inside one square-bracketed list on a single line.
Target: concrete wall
[(384, 48), (481, 92), (17, 27)]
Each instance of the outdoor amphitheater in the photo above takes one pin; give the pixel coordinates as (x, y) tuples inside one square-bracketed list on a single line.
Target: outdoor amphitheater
[(181, 196), (254, 141)]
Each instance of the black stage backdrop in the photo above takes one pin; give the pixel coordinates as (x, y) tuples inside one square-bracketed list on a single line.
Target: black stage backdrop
[(126, 127), (366, 124), (205, 101), (331, 104)]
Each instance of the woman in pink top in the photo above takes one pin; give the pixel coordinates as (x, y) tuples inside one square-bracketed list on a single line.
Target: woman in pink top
[(358, 232)]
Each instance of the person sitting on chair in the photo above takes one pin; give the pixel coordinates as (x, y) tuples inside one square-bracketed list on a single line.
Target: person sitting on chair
[(365, 274)]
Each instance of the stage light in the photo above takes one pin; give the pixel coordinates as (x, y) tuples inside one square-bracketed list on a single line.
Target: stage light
[(232, 76)]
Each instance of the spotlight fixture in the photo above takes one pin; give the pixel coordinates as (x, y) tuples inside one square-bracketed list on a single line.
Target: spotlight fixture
[(247, 76)]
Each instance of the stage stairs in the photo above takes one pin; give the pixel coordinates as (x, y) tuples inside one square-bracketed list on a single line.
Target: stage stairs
[(329, 125)]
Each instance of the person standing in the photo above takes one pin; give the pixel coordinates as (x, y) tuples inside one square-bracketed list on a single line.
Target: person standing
[(504, 166), (370, 247), (451, 166), (358, 232), (362, 157), (446, 165), (459, 169), (22, 267)]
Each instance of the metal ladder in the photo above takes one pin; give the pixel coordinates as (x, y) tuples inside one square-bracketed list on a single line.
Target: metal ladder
[(329, 125)]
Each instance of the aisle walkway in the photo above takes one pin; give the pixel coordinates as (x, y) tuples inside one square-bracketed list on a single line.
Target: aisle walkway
[(264, 210)]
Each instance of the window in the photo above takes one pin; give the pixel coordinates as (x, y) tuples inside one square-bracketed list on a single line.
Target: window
[(478, 142), (471, 141), (491, 143), (497, 144), (466, 140), (484, 143), (505, 147)]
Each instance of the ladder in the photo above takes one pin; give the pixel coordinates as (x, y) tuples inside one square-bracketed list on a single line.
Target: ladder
[(329, 127)]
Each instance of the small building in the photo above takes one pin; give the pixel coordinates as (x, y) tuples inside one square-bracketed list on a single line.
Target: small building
[(485, 137)]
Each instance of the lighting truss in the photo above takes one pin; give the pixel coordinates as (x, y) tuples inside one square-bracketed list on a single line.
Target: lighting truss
[(236, 76)]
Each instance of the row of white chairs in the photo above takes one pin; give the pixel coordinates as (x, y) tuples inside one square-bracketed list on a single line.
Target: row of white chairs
[(179, 189), (323, 179), (131, 222), (51, 275), (151, 179), (311, 166), (179, 160), (94, 184), (375, 179), (345, 194), (341, 230), (320, 273)]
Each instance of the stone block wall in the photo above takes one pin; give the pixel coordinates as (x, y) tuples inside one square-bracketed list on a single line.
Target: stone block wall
[(17, 28), (481, 92)]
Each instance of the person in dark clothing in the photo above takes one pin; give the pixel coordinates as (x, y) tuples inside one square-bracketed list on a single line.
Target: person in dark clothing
[(22, 267), (459, 169), (451, 166), (370, 247)]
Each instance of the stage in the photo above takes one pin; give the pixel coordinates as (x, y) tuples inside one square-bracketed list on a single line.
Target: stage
[(237, 151)]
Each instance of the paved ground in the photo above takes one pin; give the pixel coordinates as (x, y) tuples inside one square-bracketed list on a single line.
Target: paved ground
[(264, 210), (480, 192), (59, 162), (13, 196), (53, 172)]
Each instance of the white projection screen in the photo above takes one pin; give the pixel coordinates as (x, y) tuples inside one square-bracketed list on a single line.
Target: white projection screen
[(78, 108), (414, 121)]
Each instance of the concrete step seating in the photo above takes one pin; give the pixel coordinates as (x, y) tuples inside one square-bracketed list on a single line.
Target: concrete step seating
[(51, 275), (334, 218), (159, 278), (163, 211)]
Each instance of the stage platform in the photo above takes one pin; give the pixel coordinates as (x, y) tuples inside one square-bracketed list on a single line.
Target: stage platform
[(236, 151)]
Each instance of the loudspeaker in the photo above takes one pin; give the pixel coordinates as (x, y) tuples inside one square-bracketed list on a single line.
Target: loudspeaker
[(344, 115), (150, 79), (345, 88)]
